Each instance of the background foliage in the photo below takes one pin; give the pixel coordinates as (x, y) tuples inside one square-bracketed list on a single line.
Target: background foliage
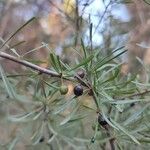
[(112, 53)]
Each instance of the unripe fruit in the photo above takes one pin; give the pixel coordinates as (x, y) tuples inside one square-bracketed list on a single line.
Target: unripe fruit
[(78, 90), (102, 121), (81, 73), (63, 89)]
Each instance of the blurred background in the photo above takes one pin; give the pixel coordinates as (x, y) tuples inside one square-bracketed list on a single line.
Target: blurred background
[(61, 24)]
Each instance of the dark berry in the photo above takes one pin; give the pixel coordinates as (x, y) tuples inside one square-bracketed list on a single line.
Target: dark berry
[(102, 121), (78, 90), (81, 73), (132, 104), (63, 89), (41, 140), (92, 140)]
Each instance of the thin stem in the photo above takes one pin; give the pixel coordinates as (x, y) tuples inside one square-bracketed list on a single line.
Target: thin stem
[(30, 65)]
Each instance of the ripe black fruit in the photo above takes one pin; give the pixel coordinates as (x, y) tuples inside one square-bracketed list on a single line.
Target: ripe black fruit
[(81, 73), (132, 104), (41, 139), (63, 89), (78, 90), (102, 121)]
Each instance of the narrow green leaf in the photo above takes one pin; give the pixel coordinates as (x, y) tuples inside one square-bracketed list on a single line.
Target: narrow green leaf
[(37, 115), (124, 84), (17, 44), (39, 134), (135, 116), (51, 85), (15, 52), (13, 143), (51, 129), (54, 61), (67, 67), (120, 102), (17, 31), (51, 138), (59, 62), (108, 121), (125, 131), (107, 61), (106, 70), (111, 54), (70, 115), (112, 77), (35, 49), (118, 145), (77, 118), (18, 75), (21, 118), (35, 61), (111, 66), (7, 84), (84, 49), (58, 143), (84, 62), (88, 107), (64, 106), (81, 140), (144, 140)]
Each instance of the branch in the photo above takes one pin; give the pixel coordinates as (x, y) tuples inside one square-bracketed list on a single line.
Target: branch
[(32, 66), (48, 72)]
